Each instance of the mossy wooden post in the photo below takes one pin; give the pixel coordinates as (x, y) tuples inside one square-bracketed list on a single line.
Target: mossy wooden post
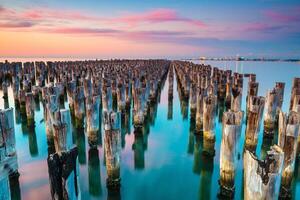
[(228, 93), (295, 91), (8, 131), (16, 88), (199, 110), (52, 110), (209, 106), (62, 131), (254, 117), (29, 109), (236, 98), (121, 97), (279, 87), (138, 117), (60, 135), (106, 98), (79, 110), (71, 88), (87, 85), (36, 94), (93, 119), (252, 91), (262, 177), (270, 113), (193, 100), (128, 94), (22, 102), (112, 142), (230, 133), (288, 141)]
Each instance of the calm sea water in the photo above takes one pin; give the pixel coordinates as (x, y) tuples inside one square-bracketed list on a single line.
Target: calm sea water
[(166, 163)]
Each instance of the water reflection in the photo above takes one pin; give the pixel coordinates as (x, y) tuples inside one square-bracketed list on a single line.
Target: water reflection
[(80, 143), (95, 187), (207, 167), (14, 185)]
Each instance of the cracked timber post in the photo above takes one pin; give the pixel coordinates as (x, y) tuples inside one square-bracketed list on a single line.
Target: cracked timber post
[(29, 109), (112, 142), (231, 130), (209, 107), (254, 116), (270, 113), (288, 141), (79, 110), (93, 119), (262, 177)]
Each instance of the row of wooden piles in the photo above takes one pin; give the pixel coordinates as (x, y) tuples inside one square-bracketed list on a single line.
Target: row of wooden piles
[(205, 89), (84, 93)]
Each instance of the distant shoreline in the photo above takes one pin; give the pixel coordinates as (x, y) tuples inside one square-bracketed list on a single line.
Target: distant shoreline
[(246, 59)]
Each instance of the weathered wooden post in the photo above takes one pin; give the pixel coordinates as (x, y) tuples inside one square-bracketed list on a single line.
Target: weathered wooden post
[(128, 94), (228, 93), (209, 107), (29, 109), (252, 92), (16, 88), (112, 142), (296, 104), (236, 98), (62, 169), (71, 89), (199, 110), (295, 91), (93, 119), (22, 102), (270, 113), (8, 131), (139, 105), (262, 178), (193, 100), (288, 141), (121, 97), (279, 87), (62, 131), (231, 130), (254, 116), (79, 110)]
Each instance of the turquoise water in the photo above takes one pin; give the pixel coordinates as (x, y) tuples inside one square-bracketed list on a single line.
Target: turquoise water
[(166, 163)]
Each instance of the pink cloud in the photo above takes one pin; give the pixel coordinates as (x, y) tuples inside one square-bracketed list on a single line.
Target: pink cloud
[(283, 17), (152, 16), (43, 14), (158, 16)]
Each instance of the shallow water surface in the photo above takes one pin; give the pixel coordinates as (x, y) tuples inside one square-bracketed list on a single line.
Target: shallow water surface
[(164, 163)]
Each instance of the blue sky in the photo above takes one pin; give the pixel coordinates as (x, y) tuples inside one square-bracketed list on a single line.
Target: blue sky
[(150, 28)]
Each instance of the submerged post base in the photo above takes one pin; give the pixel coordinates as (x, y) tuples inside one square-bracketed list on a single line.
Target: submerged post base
[(113, 184)]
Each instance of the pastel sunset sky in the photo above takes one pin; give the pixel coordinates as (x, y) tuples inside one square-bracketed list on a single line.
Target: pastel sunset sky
[(148, 29)]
